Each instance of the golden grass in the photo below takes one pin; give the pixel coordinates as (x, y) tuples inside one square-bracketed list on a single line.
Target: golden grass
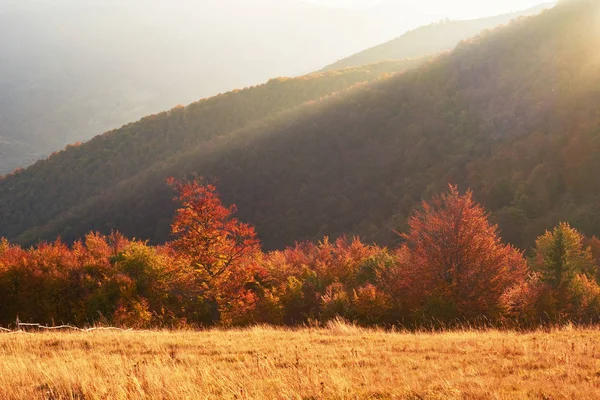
[(338, 362)]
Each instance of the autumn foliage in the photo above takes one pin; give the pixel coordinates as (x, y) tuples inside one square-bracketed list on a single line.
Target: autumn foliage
[(454, 263), (563, 284), (219, 251), (452, 267)]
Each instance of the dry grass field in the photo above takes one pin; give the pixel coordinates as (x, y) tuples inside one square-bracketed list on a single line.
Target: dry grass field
[(338, 362)]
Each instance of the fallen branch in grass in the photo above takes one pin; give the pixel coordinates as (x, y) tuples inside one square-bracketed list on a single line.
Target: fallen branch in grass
[(22, 328), (39, 326)]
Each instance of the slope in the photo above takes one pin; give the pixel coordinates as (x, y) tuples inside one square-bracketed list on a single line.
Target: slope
[(71, 69), (512, 113), (430, 39), (52, 186)]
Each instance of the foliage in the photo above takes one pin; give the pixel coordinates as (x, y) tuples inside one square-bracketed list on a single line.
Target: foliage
[(206, 233), (560, 256), (454, 261), (565, 285), (219, 250), (452, 267), (517, 120)]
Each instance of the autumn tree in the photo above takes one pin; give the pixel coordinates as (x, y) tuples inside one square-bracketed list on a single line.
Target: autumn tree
[(560, 255), (220, 249), (567, 289), (594, 244), (454, 262)]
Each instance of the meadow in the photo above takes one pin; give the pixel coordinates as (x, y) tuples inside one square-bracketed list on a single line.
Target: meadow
[(338, 361)]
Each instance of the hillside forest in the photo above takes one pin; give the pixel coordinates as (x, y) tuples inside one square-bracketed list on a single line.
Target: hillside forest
[(353, 152), (71, 69), (431, 192), (452, 269)]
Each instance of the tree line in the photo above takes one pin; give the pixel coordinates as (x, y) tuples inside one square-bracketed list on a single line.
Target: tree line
[(451, 267)]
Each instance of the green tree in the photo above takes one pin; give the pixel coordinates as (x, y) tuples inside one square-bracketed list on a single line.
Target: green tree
[(560, 256)]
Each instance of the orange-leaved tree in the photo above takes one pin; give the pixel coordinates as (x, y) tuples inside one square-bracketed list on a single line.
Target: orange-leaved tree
[(220, 250), (454, 264)]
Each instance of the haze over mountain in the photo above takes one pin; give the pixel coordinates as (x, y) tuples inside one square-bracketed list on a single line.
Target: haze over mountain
[(71, 69), (441, 9), (512, 113), (431, 39)]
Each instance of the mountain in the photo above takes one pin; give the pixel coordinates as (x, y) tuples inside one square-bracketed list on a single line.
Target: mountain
[(430, 39), (108, 159), (512, 113), (70, 69)]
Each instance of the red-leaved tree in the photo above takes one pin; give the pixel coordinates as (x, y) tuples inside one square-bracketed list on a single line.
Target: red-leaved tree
[(454, 264), (220, 250)]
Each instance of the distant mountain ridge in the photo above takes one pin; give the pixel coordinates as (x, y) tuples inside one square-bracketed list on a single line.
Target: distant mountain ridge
[(65, 77), (70, 70), (431, 39)]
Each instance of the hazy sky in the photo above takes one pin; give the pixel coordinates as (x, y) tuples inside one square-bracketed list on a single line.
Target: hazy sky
[(455, 9)]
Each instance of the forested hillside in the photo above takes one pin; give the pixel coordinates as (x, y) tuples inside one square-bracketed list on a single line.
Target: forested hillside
[(512, 113), (431, 39), (71, 69), (70, 177)]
